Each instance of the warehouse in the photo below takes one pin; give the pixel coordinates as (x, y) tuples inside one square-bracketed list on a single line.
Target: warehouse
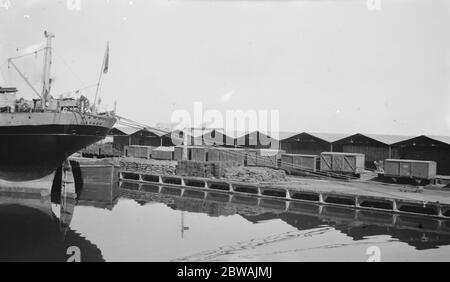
[(217, 138), (174, 138), (124, 136), (375, 147), (427, 148), (308, 143), (257, 140)]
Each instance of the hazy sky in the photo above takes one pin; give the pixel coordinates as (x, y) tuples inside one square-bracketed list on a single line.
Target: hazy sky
[(327, 66)]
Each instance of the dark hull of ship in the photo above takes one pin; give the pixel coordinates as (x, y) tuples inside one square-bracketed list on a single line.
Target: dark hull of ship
[(32, 152)]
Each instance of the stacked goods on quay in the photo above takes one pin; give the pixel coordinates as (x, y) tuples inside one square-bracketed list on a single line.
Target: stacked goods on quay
[(148, 166), (101, 150), (203, 169)]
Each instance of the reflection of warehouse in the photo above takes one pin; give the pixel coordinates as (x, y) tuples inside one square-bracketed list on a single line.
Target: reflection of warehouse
[(374, 147), (421, 240), (430, 148), (308, 143)]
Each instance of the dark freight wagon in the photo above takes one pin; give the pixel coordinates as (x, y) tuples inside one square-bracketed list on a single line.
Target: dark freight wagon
[(410, 169), (345, 163), (134, 151)]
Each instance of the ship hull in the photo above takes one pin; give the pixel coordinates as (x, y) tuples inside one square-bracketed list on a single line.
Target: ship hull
[(29, 152)]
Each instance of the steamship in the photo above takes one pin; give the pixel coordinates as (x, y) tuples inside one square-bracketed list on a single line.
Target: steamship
[(37, 136)]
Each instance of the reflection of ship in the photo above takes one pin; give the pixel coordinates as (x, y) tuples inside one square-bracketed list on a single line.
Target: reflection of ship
[(37, 136), (32, 232)]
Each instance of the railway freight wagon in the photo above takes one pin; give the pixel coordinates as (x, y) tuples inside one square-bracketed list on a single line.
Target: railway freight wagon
[(420, 171), (344, 163), (294, 163), (134, 151)]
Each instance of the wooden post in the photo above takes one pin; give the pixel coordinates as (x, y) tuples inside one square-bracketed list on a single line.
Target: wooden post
[(288, 194)]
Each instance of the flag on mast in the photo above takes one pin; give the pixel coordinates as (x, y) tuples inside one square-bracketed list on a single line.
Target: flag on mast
[(106, 61)]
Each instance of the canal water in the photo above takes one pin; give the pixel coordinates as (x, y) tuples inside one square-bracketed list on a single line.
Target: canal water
[(129, 222)]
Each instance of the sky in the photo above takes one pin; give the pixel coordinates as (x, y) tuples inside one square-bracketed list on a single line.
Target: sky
[(325, 66)]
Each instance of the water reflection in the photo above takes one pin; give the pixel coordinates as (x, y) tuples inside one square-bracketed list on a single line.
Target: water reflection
[(108, 221), (419, 232)]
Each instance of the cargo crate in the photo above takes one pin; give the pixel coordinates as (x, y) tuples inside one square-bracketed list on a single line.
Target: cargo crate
[(346, 163), (299, 162), (199, 154), (178, 153), (213, 155), (163, 153)]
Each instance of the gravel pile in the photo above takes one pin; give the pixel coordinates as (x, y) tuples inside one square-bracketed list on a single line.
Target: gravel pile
[(254, 174)]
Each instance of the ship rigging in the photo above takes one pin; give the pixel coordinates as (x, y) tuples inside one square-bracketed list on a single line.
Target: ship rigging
[(37, 136)]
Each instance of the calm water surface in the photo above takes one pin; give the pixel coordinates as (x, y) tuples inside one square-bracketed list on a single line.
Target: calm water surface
[(113, 223)]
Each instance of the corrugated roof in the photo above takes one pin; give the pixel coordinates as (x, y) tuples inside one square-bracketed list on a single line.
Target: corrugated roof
[(443, 139), (328, 137), (333, 137), (221, 132), (132, 130), (156, 131), (388, 139), (235, 133), (253, 134), (127, 130), (383, 138), (285, 135)]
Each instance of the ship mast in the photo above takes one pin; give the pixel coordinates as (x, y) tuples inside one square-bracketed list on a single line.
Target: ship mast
[(47, 65)]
